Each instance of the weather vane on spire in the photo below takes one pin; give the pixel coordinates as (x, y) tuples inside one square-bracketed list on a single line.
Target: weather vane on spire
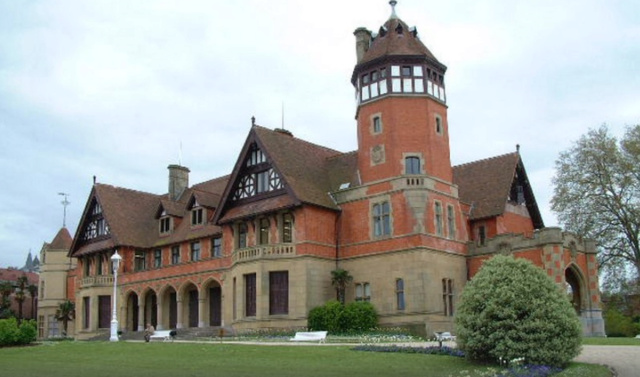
[(393, 4), (65, 203)]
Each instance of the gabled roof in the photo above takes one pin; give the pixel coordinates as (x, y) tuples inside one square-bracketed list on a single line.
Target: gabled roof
[(62, 240), (486, 186), (302, 166)]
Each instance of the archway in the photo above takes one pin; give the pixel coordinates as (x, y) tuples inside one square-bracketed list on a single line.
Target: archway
[(169, 308), (132, 312), (213, 295), (150, 308), (190, 296), (574, 288)]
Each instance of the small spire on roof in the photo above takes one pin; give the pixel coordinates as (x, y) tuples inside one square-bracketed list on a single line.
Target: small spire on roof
[(393, 4), (518, 148), (253, 121)]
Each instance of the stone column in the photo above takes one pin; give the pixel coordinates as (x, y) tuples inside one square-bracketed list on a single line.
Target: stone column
[(179, 313), (201, 312), (141, 320), (160, 318)]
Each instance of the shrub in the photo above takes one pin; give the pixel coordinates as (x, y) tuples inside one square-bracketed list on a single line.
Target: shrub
[(360, 316), (511, 309), (12, 334), (340, 319)]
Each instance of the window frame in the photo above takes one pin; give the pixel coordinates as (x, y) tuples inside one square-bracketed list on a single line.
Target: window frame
[(278, 292), (216, 247), (196, 251), (175, 254), (157, 258), (400, 296), (139, 260), (438, 218), (451, 221), (381, 219)]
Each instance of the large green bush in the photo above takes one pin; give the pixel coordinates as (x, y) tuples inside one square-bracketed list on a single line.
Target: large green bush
[(511, 309), (617, 324), (342, 319), (12, 334)]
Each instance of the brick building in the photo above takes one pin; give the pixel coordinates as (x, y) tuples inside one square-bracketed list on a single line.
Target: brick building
[(255, 249)]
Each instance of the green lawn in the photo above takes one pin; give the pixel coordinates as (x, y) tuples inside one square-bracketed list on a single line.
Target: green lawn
[(611, 341), (96, 359)]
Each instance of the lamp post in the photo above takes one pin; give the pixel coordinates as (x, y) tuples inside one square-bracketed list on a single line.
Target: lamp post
[(115, 260)]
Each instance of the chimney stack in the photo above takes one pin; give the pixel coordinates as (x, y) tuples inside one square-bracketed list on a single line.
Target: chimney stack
[(363, 40), (178, 180)]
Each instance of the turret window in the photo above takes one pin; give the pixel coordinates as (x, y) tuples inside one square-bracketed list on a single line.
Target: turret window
[(412, 165), (373, 84)]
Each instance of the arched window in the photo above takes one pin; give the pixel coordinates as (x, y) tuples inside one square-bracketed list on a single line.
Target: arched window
[(412, 165)]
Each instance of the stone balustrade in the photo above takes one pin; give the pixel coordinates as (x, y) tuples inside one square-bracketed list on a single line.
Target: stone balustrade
[(264, 251)]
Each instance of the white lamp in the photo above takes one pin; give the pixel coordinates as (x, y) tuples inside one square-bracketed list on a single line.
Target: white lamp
[(115, 260)]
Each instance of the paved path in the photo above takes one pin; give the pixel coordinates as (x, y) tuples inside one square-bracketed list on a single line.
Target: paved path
[(625, 360)]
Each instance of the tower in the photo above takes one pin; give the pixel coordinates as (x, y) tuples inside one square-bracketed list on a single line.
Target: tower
[(401, 105)]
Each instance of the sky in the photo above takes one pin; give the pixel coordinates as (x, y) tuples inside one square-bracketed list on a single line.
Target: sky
[(120, 89)]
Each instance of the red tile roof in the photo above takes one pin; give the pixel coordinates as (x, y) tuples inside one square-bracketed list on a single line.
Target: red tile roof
[(62, 240), (12, 275)]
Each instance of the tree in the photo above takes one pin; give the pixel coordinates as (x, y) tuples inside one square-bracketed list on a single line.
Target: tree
[(597, 194), (33, 292), (20, 295), (339, 279), (5, 303), (66, 312), (511, 309)]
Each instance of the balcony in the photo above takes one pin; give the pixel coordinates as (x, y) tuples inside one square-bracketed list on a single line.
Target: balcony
[(264, 252), (97, 281)]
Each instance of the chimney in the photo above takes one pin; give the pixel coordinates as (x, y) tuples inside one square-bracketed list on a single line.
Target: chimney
[(178, 180), (363, 39)]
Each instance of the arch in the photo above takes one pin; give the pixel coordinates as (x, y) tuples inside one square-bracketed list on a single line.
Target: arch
[(168, 298), (575, 287), (150, 307), (189, 295), (131, 322), (212, 293)]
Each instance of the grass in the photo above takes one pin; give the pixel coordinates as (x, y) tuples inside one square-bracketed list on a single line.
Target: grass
[(97, 359), (611, 341)]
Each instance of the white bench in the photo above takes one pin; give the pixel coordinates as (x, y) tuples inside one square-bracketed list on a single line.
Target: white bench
[(164, 335), (310, 336), (444, 336)]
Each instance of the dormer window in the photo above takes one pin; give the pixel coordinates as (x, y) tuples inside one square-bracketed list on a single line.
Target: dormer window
[(165, 223), (96, 225), (197, 216)]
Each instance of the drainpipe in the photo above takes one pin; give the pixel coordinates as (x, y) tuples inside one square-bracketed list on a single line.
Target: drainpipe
[(336, 228)]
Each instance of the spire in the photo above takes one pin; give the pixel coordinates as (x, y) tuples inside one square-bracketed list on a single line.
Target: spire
[(393, 4)]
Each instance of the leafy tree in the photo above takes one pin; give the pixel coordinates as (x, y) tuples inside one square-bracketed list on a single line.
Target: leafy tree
[(66, 312), (597, 194), (511, 309), (340, 279), (5, 302)]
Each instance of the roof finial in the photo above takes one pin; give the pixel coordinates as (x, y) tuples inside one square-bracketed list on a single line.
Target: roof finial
[(253, 121), (393, 4), (518, 148)]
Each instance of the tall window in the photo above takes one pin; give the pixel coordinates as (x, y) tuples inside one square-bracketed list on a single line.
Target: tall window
[(482, 235), (400, 304), (197, 216), (363, 292), (250, 295), (438, 214), (96, 225), (381, 219), (175, 254), (99, 265), (216, 247), (377, 124), (139, 261), (439, 129), (165, 225), (86, 266), (412, 165), (279, 292), (451, 221), (242, 235), (447, 296), (264, 231), (195, 251), (157, 258), (287, 228)]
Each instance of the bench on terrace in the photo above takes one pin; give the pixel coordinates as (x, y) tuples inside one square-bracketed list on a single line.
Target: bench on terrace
[(164, 335)]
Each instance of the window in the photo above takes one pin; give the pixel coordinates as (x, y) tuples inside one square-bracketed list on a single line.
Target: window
[(438, 214), (439, 129), (482, 235), (96, 225), (165, 225), (287, 228), (363, 292), (373, 84), (52, 323), (451, 221), (264, 231), (242, 235), (381, 219), (279, 292), (408, 79), (447, 297), (157, 258), (412, 165), (197, 216), (99, 265), (250, 295), (175, 254), (216, 247), (139, 261), (87, 266), (400, 294), (377, 124), (195, 251)]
